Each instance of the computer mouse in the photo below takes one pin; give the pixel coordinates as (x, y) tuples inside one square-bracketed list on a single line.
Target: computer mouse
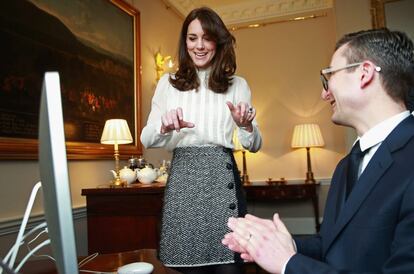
[(136, 268)]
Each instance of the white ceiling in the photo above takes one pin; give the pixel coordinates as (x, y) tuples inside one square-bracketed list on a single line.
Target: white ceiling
[(238, 12)]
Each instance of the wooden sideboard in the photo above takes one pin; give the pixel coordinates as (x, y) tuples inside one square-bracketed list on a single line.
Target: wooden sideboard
[(286, 192), (123, 219)]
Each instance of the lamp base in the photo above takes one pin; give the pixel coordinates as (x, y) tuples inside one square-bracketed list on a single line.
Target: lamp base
[(245, 179), (309, 174), (309, 178), (118, 182)]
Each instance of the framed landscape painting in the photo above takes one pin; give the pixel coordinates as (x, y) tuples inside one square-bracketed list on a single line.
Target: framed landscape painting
[(95, 47)]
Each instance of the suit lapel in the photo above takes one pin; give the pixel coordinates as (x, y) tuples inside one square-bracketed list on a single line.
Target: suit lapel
[(369, 178), (333, 202), (377, 166), (341, 192)]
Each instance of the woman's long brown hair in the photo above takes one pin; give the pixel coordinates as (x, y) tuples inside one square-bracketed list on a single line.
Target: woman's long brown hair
[(223, 64)]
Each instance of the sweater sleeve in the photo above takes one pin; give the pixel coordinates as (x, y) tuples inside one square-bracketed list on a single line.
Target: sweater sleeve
[(151, 135), (251, 141)]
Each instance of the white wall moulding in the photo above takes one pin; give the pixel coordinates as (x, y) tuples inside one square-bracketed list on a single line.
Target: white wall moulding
[(182, 7), (242, 11), (276, 21), (12, 226)]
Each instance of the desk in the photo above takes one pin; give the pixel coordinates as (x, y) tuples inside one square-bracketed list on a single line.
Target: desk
[(122, 219), (104, 263)]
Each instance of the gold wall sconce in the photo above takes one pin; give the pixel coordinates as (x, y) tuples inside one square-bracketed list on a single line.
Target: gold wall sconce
[(160, 63), (307, 136)]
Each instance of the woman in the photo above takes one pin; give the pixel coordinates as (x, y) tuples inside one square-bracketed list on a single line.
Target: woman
[(194, 113)]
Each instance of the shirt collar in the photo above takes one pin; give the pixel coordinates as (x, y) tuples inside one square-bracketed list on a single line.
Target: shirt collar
[(378, 133), (204, 71), (203, 75)]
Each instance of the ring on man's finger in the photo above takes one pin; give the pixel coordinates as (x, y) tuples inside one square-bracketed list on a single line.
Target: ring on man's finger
[(250, 110), (250, 236)]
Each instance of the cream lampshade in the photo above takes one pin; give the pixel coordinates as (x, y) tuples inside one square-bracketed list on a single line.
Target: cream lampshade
[(307, 136), (116, 132), (238, 147)]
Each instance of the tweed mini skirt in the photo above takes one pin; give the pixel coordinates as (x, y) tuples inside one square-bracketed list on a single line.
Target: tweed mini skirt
[(203, 190)]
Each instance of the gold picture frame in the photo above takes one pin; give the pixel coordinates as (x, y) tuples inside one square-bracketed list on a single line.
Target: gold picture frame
[(378, 13), (18, 138)]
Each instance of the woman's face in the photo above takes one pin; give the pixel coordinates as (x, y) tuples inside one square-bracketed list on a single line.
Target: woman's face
[(199, 45)]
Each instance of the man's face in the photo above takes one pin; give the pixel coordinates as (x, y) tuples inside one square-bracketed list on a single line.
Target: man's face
[(342, 90)]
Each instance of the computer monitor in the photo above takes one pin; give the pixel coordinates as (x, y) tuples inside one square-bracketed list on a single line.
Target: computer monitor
[(54, 176)]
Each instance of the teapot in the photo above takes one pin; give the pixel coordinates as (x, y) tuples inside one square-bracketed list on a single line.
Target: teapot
[(147, 175), (126, 174)]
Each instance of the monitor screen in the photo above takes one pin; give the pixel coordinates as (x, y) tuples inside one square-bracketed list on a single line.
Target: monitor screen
[(54, 176)]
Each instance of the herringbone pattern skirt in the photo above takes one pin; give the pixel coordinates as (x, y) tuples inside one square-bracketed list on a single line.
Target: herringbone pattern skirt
[(202, 192)]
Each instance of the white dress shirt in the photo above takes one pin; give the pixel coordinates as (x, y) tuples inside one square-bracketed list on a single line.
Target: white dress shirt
[(374, 137), (204, 108)]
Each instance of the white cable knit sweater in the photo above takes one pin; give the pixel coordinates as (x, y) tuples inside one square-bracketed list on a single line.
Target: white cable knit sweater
[(214, 124)]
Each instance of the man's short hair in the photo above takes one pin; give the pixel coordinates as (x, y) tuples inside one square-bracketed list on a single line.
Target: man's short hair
[(393, 51)]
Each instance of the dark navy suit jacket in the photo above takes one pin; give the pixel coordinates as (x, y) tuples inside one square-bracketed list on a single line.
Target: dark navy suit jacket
[(373, 230)]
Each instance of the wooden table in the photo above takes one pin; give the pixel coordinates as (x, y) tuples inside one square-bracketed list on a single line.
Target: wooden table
[(122, 219), (104, 263)]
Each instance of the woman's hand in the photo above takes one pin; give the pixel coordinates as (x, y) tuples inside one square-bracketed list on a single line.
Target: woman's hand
[(230, 241), (173, 120), (242, 114)]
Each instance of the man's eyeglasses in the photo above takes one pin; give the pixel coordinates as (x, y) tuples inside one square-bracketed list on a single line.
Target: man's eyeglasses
[(327, 72)]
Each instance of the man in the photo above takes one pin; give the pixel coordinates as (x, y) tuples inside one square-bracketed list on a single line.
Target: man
[(368, 224)]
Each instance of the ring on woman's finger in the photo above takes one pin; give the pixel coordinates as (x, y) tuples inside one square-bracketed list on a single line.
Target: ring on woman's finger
[(250, 110), (250, 236)]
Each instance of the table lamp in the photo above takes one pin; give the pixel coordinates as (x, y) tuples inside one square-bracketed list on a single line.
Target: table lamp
[(307, 136), (238, 147), (116, 132)]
